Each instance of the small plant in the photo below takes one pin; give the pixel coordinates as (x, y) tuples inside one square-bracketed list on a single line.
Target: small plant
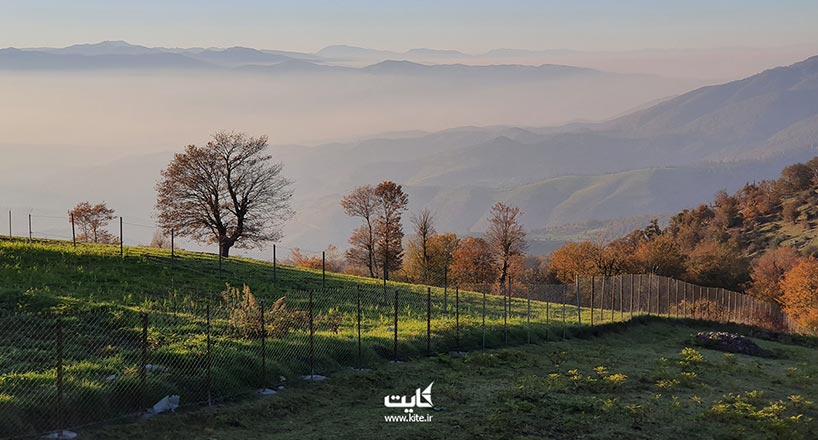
[(675, 402), (610, 405), (791, 371), (637, 413), (558, 358), (666, 384), (617, 379), (687, 378), (798, 401), (601, 371), (697, 400), (729, 360), (691, 357)]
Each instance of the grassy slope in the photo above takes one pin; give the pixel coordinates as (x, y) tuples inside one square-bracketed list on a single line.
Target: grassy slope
[(99, 295), (506, 393)]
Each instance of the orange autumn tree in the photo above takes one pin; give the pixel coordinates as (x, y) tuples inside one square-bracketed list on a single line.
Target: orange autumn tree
[(575, 259), (768, 271), (800, 294), (473, 262)]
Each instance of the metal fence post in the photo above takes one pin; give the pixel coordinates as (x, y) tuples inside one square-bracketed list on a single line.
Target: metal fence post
[(650, 292), (547, 321), (484, 319), (528, 314), (621, 297), (10, 236), (429, 320), (613, 298), (60, 406), (30, 236), (144, 360), (323, 269), (509, 293), (121, 239), (505, 313), (593, 287), (446, 291), (73, 232), (676, 297), (312, 337), (579, 305), (358, 295), (172, 243), (274, 263), (209, 361), (630, 290), (263, 345), (395, 345), (602, 300), (564, 326), (457, 317)]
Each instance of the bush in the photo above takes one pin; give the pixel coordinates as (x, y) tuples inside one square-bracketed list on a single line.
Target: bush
[(245, 315)]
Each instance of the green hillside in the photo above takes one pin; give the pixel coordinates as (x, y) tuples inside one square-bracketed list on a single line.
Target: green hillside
[(98, 297)]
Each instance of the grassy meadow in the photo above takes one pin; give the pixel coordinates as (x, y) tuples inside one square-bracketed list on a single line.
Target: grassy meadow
[(633, 380), (117, 361)]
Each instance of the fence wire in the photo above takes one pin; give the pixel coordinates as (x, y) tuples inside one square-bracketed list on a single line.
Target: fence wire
[(97, 363)]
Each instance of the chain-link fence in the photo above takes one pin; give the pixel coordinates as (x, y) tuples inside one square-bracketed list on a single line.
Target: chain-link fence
[(100, 362)]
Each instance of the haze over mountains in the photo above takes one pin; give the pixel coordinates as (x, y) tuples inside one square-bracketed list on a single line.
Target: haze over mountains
[(73, 118), (714, 65)]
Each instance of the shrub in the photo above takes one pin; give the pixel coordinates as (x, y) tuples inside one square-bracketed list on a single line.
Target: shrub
[(245, 315)]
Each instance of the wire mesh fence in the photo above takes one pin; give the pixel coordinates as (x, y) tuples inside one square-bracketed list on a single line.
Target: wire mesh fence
[(93, 364)]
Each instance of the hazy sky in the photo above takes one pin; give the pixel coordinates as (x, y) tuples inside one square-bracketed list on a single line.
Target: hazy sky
[(468, 25)]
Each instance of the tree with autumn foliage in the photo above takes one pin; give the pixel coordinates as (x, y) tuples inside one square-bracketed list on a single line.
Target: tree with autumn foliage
[(506, 237), (228, 192), (91, 221), (660, 255), (574, 259), (768, 271), (800, 294), (473, 263)]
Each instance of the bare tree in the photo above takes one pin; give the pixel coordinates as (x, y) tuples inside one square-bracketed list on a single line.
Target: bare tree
[(420, 254), (228, 192), (91, 219), (506, 237), (361, 202), (392, 202)]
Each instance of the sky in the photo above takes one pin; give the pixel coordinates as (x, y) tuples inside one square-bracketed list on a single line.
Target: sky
[(467, 25)]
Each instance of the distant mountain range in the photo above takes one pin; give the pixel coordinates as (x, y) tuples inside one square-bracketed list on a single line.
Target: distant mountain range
[(660, 159), (121, 55), (595, 177)]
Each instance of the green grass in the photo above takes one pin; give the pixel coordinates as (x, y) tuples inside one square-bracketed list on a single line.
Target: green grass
[(529, 392), (98, 296)]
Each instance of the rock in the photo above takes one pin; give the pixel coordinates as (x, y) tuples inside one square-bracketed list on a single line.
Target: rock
[(266, 392), (111, 378), (315, 378), (729, 342), (281, 387), (155, 368), (168, 403)]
